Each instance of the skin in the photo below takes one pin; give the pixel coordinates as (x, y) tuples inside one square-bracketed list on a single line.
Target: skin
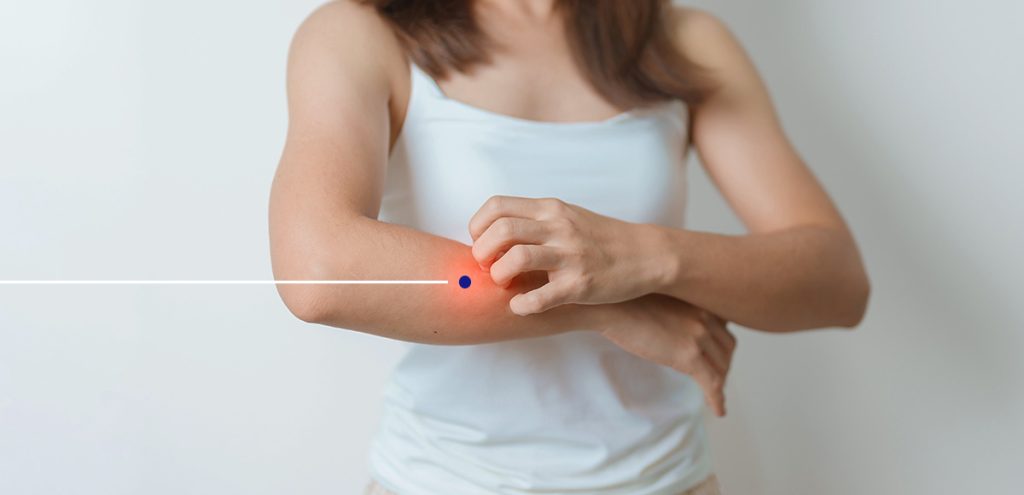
[(797, 269), (348, 87)]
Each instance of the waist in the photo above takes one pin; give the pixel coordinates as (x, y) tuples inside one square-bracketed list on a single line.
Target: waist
[(709, 486), (538, 414)]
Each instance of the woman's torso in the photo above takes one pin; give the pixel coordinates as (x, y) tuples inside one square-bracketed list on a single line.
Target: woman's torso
[(566, 413)]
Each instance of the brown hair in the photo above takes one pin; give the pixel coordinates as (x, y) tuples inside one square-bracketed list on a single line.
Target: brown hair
[(624, 47)]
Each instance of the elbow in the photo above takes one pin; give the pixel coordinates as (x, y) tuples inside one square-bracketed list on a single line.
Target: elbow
[(302, 261), (855, 301), (305, 302), (854, 288)]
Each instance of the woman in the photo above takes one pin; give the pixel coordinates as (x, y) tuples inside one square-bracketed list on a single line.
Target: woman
[(537, 148)]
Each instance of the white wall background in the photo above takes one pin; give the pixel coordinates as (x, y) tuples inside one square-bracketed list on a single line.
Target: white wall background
[(138, 140)]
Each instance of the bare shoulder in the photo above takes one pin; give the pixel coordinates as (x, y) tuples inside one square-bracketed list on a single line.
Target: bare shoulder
[(701, 34), (348, 36), (356, 23), (707, 40)]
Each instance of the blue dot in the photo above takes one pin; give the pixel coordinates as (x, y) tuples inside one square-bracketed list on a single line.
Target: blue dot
[(465, 281)]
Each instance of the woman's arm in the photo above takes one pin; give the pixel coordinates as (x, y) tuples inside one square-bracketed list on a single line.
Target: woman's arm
[(798, 268), (327, 191)]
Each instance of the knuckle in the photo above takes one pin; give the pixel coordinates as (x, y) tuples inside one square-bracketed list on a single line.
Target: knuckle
[(521, 256), (693, 329), (505, 227), (493, 203), (690, 351), (582, 284), (563, 225), (553, 205)]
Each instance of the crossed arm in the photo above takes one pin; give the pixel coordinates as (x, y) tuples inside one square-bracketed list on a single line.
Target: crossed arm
[(562, 265), (798, 267)]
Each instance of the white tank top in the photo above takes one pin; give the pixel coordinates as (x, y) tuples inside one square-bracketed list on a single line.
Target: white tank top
[(570, 413)]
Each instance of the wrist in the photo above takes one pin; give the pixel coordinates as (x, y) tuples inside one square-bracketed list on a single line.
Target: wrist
[(660, 262)]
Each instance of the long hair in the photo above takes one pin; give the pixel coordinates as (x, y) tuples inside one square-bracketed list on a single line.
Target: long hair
[(624, 47)]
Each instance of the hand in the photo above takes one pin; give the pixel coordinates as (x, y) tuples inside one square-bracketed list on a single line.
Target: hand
[(589, 258), (679, 335)]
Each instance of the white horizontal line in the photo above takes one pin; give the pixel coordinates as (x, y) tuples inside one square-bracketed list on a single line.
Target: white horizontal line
[(223, 282)]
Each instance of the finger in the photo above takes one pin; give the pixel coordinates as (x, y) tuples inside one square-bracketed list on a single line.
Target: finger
[(523, 258), (715, 353), (509, 206), (503, 234), (502, 206), (711, 382), (539, 300), (722, 335)]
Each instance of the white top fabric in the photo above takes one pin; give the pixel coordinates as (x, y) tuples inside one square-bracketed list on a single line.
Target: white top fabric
[(570, 413)]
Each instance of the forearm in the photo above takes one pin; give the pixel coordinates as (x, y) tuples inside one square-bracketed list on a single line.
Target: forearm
[(796, 279), (363, 248)]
